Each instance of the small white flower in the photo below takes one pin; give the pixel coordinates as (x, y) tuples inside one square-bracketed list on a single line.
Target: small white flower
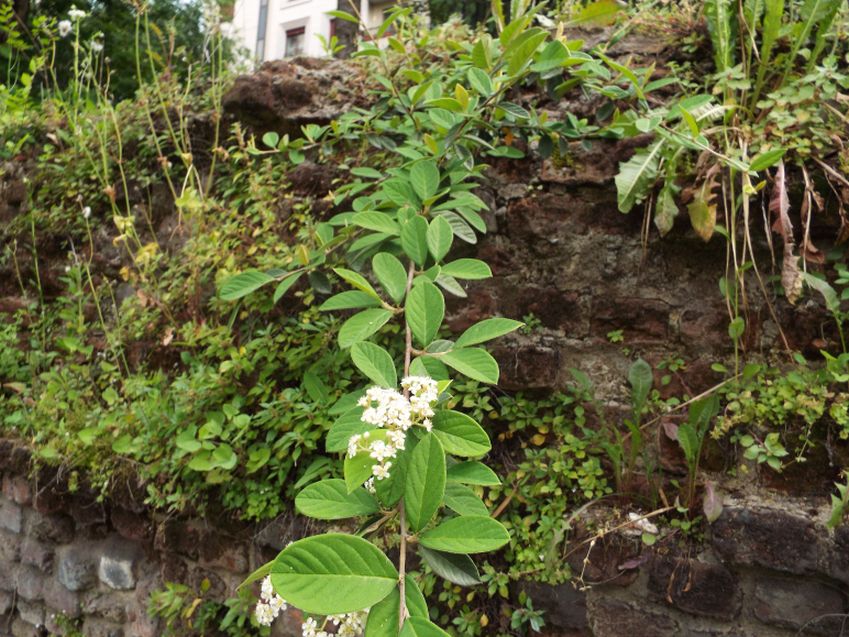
[(267, 590), (309, 627), (64, 28), (354, 445), (86, 212), (96, 46), (264, 614), (381, 472), (76, 14)]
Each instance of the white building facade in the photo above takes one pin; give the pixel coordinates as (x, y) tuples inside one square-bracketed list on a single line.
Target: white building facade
[(274, 29)]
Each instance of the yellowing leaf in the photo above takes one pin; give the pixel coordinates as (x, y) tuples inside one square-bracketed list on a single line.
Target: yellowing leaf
[(703, 217)]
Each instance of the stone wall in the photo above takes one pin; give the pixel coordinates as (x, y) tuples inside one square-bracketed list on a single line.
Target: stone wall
[(562, 252), (763, 570), (68, 560)]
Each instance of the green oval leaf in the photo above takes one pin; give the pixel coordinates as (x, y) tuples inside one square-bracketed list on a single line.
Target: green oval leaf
[(330, 500), (244, 283), (421, 627), (460, 434), (332, 574), (440, 235), (285, 285), (357, 280), (362, 325), (375, 362), (425, 483), (473, 472), (348, 300), (463, 501), (346, 425), (466, 534), (414, 239), (767, 159), (391, 274), (424, 177), (459, 569), (473, 362), (470, 269), (383, 617), (487, 330), (424, 311), (377, 221)]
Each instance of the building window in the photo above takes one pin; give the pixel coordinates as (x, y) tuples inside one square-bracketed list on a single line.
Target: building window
[(261, 29), (295, 41)]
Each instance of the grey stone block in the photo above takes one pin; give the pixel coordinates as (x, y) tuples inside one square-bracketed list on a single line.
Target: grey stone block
[(60, 600), (31, 612), (108, 605), (29, 583), (7, 601), (101, 628), (10, 516), (77, 570), (16, 488), (10, 549), (37, 554), (21, 628), (818, 608), (117, 562), (50, 527)]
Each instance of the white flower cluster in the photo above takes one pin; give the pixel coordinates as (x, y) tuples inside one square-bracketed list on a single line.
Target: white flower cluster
[(64, 28), (394, 412), (270, 604), (76, 14), (347, 625)]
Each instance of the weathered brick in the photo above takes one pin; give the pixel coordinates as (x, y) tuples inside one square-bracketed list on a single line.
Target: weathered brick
[(789, 603), (77, 567), (7, 602), (17, 489), (101, 628), (60, 600), (22, 628), (614, 618), (37, 554), (177, 536), (140, 623), (31, 612), (132, 526), (767, 537), (29, 583), (87, 511), (10, 516), (218, 551), (117, 563), (110, 606), (10, 548), (565, 607), (48, 500), (695, 587), (50, 527)]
